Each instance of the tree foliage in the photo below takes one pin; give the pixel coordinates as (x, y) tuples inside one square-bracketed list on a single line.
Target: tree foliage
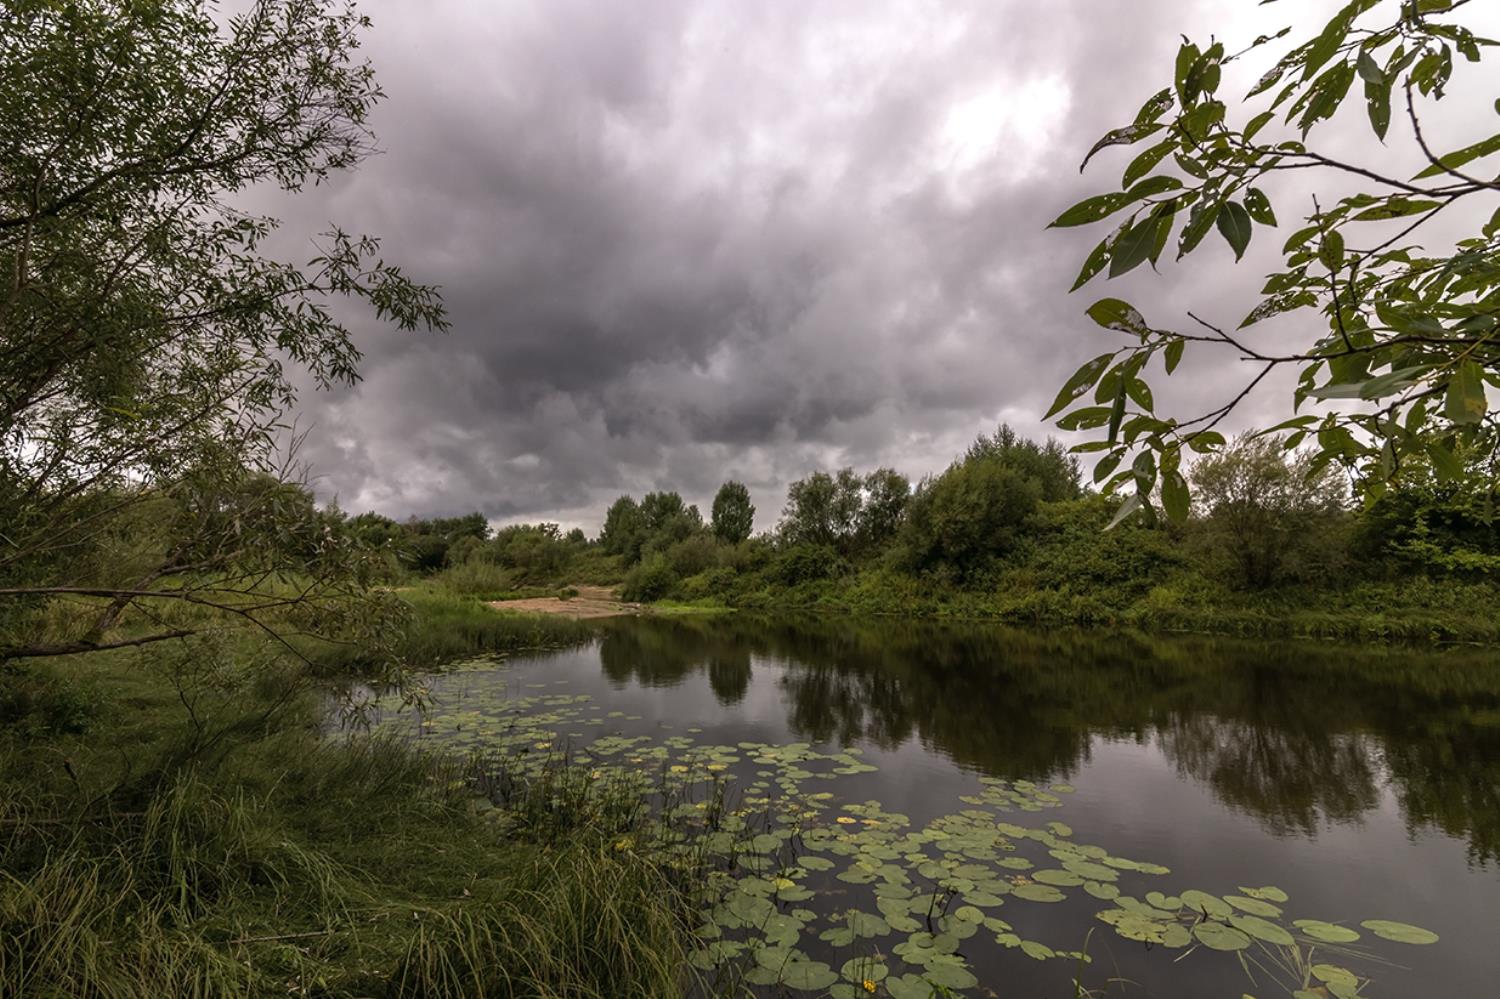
[(1398, 330), (733, 513), (1272, 514), (147, 341)]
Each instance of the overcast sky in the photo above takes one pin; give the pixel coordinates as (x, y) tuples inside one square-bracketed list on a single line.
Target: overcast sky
[(688, 241)]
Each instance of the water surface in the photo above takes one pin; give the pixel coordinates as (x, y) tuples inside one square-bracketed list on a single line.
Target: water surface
[(1365, 783)]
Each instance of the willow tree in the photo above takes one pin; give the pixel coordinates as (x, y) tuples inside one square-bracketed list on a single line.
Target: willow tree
[(1393, 322), (148, 342)]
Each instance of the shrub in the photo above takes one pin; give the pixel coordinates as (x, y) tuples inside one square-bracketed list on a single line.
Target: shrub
[(652, 579), (807, 563)]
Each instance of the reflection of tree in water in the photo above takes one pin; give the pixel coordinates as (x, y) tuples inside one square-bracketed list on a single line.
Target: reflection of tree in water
[(1291, 733), (1448, 776), (729, 675), (1292, 780)]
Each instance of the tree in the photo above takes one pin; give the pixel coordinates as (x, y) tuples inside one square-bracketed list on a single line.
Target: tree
[(733, 513), (887, 493), (147, 343), (1397, 330), (623, 527), (823, 509), (1050, 464), (968, 516), (1272, 512)]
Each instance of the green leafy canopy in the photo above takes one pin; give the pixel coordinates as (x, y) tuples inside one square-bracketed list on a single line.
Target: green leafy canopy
[(1396, 333)]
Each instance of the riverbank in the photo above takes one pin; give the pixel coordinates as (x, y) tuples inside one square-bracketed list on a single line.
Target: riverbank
[(165, 832), (1416, 610)]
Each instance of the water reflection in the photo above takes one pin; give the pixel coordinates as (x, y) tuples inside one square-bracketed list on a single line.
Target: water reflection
[(1297, 735)]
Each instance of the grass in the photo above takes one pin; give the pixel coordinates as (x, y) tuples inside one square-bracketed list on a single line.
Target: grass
[(171, 833), (445, 627)]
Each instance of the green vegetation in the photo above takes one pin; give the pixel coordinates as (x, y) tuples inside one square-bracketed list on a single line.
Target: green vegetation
[(1008, 532), (180, 826), (1405, 341), (151, 346)]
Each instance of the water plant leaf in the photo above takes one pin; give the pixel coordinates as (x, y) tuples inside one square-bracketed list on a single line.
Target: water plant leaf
[(1263, 929), (1254, 906), (1399, 932), (1220, 936), (1268, 893), (1326, 932), (1037, 893), (1202, 901)]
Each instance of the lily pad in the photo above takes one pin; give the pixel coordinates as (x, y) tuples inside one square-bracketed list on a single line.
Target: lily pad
[(1399, 932), (1037, 893), (1263, 929), (1219, 936), (1254, 906), (1326, 932), (864, 969), (1202, 901)]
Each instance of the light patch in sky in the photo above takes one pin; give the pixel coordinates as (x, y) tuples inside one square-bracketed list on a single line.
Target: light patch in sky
[(1009, 126)]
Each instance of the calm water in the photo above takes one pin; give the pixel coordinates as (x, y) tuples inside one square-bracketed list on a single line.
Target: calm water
[(1365, 783)]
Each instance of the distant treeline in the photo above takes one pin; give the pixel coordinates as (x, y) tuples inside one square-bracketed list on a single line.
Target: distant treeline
[(1010, 530)]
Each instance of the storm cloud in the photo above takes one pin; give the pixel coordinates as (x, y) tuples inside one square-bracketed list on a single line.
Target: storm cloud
[(687, 241)]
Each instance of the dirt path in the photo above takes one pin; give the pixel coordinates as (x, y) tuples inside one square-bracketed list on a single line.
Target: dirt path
[(591, 602)]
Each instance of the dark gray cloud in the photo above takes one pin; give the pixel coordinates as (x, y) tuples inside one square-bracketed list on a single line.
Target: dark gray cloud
[(684, 241)]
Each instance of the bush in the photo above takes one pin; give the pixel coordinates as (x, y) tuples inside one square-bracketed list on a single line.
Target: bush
[(695, 554), (652, 579), (808, 563)]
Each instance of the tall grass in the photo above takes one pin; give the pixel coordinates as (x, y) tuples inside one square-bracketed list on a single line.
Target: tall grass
[(344, 867), (445, 627)]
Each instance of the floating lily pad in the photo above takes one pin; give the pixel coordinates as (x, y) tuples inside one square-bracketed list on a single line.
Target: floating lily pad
[(1263, 929), (1326, 932), (1254, 906), (864, 969), (1202, 901), (1037, 893), (1399, 932), (1220, 936)]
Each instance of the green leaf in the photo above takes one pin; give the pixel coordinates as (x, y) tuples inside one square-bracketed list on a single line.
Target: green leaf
[(1140, 393), (1235, 226), (1079, 383), (1115, 314), (1120, 137), (1172, 355), (1378, 107), (1369, 69), (1093, 265), (1399, 932), (1447, 465), (1187, 58), (1146, 162), (1090, 210), (1200, 221), (1396, 208), (1205, 441), (1134, 247), (1455, 160), (1130, 506), (1159, 184), (1259, 207), (1257, 123), (1117, 412), (1175, 498), (1466, 402), (1331, 250)]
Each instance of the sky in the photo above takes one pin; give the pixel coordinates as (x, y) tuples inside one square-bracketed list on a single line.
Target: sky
[(684, 242)]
